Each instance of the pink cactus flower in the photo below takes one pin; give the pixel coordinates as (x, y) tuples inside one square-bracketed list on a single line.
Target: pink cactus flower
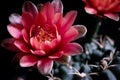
[(103, 8), (42, 37)]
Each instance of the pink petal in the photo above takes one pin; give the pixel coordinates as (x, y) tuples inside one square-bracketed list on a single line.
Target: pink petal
[(116, 9), (74, 33), (45, 66), (64, 59), (82, 30), (25, 35), (90, 10), (40, 19), (112, 16), (70, 35), (56, 55), (9, 44), (14, 30), (15, 18), (27, 20), (49, 11), (51, 29), (58, 20), (38, 52), (72, 49), (28, 61), (28, 6), (32, 30), (68, 20), (58, 6), (22, 46), (35, 43), (55, 42), (45, 46)]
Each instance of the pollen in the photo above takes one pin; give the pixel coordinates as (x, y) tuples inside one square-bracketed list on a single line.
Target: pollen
[(44, 35)]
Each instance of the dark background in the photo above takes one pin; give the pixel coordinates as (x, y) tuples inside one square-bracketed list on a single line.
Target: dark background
[(8, 71)]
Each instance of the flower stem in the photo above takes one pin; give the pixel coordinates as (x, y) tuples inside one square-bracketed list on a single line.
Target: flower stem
[(97, 27)]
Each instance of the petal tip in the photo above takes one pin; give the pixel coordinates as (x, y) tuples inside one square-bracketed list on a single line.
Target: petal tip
[(28, 6), (58, 6)]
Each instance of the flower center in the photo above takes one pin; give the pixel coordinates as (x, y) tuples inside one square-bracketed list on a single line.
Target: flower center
[(43, 34)]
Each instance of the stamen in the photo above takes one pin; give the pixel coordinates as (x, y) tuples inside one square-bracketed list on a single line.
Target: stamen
[(42, 34)]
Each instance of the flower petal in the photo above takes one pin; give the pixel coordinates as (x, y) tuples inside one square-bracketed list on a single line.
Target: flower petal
[(22, 46), (40, 19), (25, 36), (58, 6), (58, 20), (112, 16), (45, 46), (55, 42), (38, 52), (90, 10), (35, 43), (68, 20), (72, 49), (9, 44), (49, 11), (116, 9), (28, 61), (64, 59), (70, 35), (15, 18), (45, 66), (14, 30), (27, 20), (82, 30), (28, 6), (74, 33), (56, 55)]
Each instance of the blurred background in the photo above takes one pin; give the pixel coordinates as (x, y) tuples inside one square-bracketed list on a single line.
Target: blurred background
[(9, 70)]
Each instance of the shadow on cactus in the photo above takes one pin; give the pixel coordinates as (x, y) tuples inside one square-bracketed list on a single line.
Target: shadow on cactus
[(100, 60)]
